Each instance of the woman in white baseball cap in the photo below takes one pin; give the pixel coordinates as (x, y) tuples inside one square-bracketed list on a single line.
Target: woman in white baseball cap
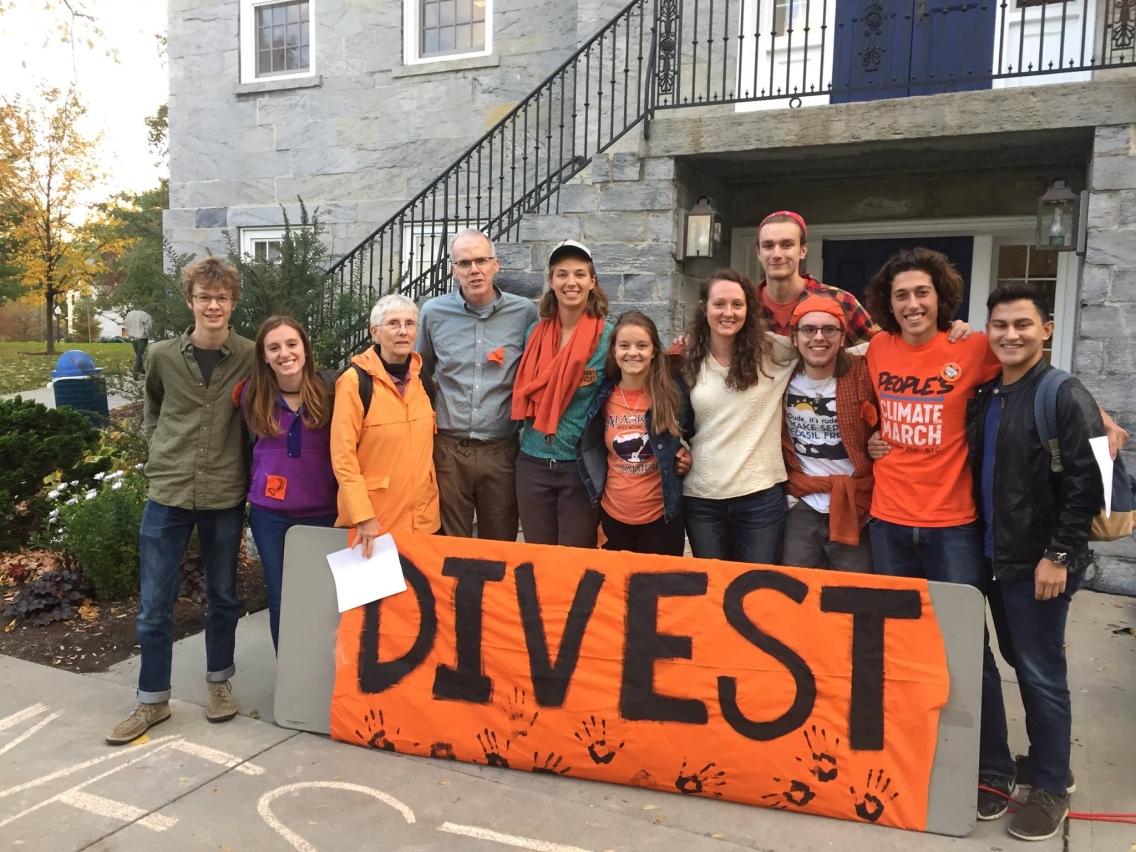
[(560, 373)]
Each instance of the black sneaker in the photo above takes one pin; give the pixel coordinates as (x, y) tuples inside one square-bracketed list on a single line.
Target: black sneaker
[(1041, 816), (1023, 780), (994, 795)]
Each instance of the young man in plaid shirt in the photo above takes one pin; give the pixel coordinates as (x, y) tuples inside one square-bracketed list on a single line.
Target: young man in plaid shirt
[(782, 243)]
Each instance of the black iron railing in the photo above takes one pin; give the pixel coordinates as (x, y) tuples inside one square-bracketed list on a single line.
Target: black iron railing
[(665, 54)]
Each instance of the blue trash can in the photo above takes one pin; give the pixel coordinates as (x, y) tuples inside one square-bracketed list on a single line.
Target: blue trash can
[(78, 383)]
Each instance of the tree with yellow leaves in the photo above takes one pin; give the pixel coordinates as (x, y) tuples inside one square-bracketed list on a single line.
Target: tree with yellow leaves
[(46, 165)]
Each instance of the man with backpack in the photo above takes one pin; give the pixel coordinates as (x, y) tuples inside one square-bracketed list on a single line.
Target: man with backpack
[(1038, 509)]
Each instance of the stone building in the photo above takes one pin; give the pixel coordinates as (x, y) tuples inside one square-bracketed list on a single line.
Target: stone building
[(883, 124)]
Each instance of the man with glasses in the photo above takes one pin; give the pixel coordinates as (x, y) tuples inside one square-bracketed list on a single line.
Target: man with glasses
[(198, 476), (471, 341), (829, 417)]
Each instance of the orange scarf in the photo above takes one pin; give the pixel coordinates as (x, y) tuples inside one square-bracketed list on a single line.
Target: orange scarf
[(549, 376)]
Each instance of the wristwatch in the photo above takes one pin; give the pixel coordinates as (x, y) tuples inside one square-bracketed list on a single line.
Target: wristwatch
[(1058, 557)]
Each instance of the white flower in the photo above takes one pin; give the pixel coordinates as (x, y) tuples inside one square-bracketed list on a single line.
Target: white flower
[(53, 514), (92, 494), (116, 486), (74, 482), (54, 493), (99, 477), (72, 501), (138, 466), (118, 474)]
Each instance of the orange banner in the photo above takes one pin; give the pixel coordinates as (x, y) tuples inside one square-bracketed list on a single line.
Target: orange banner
[(782, 687)]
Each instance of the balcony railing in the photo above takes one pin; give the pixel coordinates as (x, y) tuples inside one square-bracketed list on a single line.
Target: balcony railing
[(666, 54)]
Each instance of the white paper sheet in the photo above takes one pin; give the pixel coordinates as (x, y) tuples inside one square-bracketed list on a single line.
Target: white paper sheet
[(1104, 462), (360, 581)]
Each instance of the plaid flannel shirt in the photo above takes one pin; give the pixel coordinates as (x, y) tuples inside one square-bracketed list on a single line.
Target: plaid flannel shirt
[(860, 325)]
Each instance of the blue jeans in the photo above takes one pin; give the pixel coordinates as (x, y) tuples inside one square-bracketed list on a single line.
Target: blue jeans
[(268, 530), (1031, 637), (740, 529), (944, 554), (164, 537)]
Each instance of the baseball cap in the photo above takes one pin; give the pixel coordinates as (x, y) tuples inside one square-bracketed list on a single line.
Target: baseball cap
[(569, 248)]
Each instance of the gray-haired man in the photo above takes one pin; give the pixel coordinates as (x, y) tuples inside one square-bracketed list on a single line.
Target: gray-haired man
[(471, 341)]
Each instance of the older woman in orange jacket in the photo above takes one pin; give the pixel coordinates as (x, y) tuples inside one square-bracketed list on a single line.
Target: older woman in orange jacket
[(384, 459)]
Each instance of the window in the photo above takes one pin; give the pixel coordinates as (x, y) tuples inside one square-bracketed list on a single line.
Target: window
[(447, 29), (277, 39), (262, 243)]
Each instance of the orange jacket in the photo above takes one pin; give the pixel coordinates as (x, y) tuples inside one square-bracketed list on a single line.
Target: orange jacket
[(385, 466)]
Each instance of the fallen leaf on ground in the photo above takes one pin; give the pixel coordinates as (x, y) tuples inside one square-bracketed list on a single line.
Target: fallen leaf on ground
[(11, 626), (225, 848), (88, 611), (660, 818), (444, 783), (214, 790), (716, 836), (650, 807)]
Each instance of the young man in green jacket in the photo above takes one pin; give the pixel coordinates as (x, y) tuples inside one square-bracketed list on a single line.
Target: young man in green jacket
[(198, 477)]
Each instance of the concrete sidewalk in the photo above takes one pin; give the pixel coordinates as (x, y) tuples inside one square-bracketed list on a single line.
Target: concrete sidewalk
[(248, 785), (46, 396)]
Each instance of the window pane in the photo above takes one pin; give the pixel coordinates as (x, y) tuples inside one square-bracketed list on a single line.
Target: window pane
[(303, 11), (278, 59), (292, 35), (465, 11), (263, 38), (429, 14), (1012, 262), (304, 59), (277, 37), (1042, 264), (446, 12), (461, 41), (264, 62), (479, 35), (279, 15), (446, 40), (429, 41), (293, 10), (478, 10)]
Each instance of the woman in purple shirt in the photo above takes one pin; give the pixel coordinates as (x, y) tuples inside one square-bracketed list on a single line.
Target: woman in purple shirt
[(288, 411)]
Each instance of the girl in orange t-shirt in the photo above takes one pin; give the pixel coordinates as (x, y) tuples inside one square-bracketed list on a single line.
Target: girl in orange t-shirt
[(630, 452)]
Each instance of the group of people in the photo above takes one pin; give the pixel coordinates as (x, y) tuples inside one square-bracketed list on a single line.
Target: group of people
[(789, 425)]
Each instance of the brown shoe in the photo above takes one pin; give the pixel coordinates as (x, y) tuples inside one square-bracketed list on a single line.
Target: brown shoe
[(1041, 816), (221, 707), (144, 717)]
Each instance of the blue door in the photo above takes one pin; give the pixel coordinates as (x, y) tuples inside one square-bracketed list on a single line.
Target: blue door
[(899, 48), (850, 264)]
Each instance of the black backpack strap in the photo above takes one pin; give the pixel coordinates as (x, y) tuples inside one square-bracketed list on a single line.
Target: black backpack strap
[(366, 388), (1045, 414)]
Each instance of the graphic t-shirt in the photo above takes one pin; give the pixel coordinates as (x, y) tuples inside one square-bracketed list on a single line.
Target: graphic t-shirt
[(810, 415), (633, 493), (925, 480)]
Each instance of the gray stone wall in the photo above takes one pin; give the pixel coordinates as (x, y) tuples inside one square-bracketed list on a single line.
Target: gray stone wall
[(1106, 346), (359, 139)]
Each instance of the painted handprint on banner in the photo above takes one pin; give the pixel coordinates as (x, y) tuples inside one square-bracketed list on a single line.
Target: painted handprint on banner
[(520, 717), (822, 755), (871, 802), (442, 751), (552, 764), (594, 735), (494, 754), (698, 782), (797, 793), (376, 736)]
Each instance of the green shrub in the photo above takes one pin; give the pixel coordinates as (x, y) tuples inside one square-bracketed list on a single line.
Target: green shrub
[(99, 528), (35, 443)]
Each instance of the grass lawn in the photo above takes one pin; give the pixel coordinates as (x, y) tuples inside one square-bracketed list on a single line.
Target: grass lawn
[(23, 366)]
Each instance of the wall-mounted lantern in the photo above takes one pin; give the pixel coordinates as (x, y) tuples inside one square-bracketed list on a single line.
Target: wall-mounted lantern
[(703, 229), (1058, 222)]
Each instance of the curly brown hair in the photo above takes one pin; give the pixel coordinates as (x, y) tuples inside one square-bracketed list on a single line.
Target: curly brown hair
[(212, 274), (949, 286), (752, 346)]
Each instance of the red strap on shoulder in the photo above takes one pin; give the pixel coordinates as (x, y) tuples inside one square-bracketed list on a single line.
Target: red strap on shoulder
[(239, 392)]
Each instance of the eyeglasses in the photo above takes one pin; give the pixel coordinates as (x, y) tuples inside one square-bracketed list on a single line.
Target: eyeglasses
[(479, 262), (830, 332), (204, 299), (397, 325)]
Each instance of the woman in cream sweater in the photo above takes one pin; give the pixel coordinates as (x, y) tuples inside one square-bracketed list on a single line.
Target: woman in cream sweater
[(737, 373)]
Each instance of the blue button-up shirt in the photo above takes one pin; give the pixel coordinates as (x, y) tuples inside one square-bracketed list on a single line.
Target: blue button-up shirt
[(472, 359)]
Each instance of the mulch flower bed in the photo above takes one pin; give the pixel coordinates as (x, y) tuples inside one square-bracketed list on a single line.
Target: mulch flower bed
[(103, 634)]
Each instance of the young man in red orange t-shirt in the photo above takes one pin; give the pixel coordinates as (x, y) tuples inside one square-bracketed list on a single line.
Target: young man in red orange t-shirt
[(925, 520)]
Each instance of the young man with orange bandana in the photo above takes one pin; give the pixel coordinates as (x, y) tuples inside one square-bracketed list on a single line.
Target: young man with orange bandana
[(782, 244), (829, 415)]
